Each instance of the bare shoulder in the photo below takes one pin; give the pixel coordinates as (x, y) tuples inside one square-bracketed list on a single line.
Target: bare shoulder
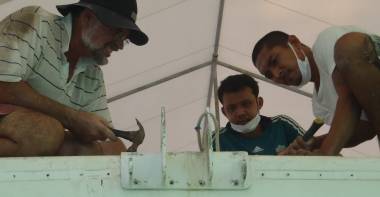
[(354, 48), (352, 40)]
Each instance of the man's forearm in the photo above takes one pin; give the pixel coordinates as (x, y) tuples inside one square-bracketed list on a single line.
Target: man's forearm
[(363, 132), (343, 126), (21, 94), (318, 140)]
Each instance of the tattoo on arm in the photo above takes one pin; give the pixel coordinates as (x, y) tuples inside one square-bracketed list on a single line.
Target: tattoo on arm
[(369, 52)]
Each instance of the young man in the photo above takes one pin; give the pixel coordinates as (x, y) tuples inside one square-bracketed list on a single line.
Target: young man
[(344, 66), (50, 80), (247, 130)]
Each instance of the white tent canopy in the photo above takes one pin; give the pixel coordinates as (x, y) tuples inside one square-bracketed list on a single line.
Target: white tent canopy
[(174, 69)]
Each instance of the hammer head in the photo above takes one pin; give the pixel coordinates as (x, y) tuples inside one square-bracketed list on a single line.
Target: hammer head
[(137, 137)]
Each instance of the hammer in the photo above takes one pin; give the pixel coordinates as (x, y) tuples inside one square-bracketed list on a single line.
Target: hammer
[(136, 137)]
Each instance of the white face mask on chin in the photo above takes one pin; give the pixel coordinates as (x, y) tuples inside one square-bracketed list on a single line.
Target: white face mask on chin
[(249, 126), (304, 67)]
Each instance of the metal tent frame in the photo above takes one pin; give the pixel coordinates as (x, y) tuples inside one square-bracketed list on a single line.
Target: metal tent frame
[(213, 64)]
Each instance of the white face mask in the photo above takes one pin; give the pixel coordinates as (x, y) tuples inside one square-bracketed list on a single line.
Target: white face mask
[(249, 126), (304, 67)]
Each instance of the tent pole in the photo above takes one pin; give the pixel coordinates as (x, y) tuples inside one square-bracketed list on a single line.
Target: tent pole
[(218, 30), (210, 87), (214, 75), (213, 84), (158, 82)]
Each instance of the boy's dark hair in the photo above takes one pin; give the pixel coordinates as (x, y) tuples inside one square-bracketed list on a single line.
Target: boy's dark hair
[(270, 40), (235, 83)]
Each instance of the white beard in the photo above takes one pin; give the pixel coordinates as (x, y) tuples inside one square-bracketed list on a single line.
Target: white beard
[(96, 51)]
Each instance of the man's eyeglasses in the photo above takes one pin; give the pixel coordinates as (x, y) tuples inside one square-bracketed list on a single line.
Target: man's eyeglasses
[(118, 34), (122, 36)]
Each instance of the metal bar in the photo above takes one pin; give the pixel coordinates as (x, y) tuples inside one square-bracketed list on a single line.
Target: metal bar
[(163, 146), (215, 53), (216, 100), (214, 74), (218, 28), (208, 103), (154, 83), (254, 75), (210, 86), (216, 103)]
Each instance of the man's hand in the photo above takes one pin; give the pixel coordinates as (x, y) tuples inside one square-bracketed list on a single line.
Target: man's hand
[(90, 127), (298, 147)]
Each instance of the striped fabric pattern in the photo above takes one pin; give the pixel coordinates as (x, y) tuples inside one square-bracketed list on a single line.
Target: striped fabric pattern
[(32, 46), (290, 121), (279, 118)]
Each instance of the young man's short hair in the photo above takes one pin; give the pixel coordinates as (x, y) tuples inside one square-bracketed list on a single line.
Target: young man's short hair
[(270, 40), (235, 83)]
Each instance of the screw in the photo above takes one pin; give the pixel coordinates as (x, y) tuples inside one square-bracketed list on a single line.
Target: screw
[(235, 182), (171, 182), (202, 182)]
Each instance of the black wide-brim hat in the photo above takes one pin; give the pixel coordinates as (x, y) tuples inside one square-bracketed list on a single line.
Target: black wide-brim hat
[(115, 13)]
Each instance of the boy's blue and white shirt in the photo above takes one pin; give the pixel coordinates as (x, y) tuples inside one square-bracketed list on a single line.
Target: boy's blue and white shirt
[(278, 133)]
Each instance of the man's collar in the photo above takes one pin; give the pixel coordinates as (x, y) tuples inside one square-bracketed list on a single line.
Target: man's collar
[(265, 121), (68, 23)]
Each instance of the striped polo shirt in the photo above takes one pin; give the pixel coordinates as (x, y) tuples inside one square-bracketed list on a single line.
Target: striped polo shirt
[(32, 46), (278, 133)]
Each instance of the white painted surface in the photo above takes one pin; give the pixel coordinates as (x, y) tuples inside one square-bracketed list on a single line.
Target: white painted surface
[(268, 176)]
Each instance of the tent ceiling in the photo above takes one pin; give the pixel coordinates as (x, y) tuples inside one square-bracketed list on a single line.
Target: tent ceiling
[(176, 43)]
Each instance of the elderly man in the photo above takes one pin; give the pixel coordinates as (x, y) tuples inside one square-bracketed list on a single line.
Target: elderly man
[(344, 66), (53, 98)]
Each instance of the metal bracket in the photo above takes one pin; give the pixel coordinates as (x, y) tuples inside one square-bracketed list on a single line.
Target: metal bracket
[(184, 171)]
